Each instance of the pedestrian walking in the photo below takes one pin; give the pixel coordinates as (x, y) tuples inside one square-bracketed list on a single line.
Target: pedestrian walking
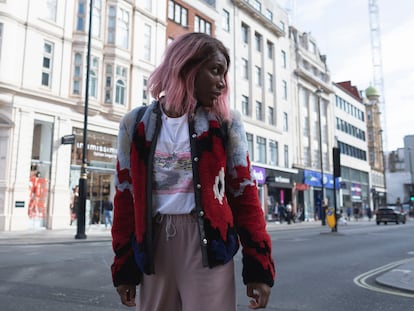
[(74, 205), (289, 213), (183, 186), (107, 207), (348, 213)]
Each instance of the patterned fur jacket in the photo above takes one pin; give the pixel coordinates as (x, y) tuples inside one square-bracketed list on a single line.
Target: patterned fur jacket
[(227, 204)]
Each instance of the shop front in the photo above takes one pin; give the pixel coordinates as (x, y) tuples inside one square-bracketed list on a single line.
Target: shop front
[(40, 169), (354, 192), (312, 198), (101, 159), (280, 190)]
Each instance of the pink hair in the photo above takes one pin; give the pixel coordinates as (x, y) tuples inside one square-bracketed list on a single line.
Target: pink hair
[(175, 76)]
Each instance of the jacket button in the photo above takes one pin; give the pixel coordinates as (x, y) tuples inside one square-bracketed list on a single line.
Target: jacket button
[(195, 159), (205, 241), (198, 186)]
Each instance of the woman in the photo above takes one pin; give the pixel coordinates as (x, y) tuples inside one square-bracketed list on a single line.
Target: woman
[(183, 186)]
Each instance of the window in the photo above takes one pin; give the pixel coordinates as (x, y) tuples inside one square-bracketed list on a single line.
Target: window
[(108, 83), (259, 111), (258, 76), (249, 138), (245, 105), (47, 64), (305, 126), (286, 155), (201, 25), (261, 149), (312, 47), (225, 20), (306, 156), (258, 41), (122, 29), (271, 115), (269, 15), (270, 82), (118, 27), (273, 152), (245, 68), (41, 162), (111, 25), (283, 55), (93, 77), (171, 10), (81, 15), (284, 89), (96, 18), (245, 33), (285, 122), (269, 50), (120, 85), (50, 10), (257, 5), (144, 90), (177, 13), (147, 42), (77, 74)]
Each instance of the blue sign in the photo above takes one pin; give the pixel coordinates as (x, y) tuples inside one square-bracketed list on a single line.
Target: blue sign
[(314, 179)]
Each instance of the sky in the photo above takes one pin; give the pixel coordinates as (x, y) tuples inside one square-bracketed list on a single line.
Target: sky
[(342, 32)]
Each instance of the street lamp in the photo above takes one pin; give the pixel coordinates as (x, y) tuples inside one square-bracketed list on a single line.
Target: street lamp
[(80, 232), (318, 93)]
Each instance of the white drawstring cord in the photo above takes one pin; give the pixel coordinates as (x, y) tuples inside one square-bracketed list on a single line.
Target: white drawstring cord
[(170, 229)]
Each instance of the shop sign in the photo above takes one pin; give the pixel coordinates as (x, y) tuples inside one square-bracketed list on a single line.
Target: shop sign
[(356, 191), (314, 179), (68, 139), (99, 151), (302, 187), (100, 148), (280, 180), (259, 174)]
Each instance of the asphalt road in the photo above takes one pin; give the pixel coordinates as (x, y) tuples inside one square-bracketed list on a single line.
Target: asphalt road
[(316, 270)]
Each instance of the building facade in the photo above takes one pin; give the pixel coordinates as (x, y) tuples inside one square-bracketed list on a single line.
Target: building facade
[(313, 120), (43, 70), (354, 194), (375, 148), (279, 81)]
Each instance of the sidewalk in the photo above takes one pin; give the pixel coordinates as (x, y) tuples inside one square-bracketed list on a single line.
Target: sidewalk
[(94, 233), (400, 277)]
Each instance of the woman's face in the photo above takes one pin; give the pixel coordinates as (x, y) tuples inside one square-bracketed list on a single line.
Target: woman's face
[(210, 80)]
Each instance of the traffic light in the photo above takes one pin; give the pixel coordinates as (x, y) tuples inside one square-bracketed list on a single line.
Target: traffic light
[(336, 153), (412, 196)]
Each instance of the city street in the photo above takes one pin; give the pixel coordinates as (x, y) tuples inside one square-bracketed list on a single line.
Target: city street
[(316, 269)]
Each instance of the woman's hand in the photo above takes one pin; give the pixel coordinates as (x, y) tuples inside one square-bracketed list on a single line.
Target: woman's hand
[(127, 294), (259, 292)]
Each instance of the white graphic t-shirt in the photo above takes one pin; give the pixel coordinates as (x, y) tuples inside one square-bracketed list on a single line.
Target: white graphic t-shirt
[(172, 189)]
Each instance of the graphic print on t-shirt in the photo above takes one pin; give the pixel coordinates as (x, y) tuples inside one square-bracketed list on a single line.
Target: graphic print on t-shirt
[(172, 173)]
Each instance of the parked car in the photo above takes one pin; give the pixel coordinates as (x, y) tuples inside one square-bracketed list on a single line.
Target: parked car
[(390, 214)]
